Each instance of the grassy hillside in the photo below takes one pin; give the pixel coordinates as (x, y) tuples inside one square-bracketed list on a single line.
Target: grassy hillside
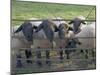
[(26, 10)]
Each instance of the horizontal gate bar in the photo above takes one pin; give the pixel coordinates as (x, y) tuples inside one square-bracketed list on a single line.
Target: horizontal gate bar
[(46, 39), (51, 19), (55, 49), (56, 59), (23, 70)]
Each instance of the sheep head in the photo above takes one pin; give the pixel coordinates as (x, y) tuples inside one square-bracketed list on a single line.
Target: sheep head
[(77, 23)]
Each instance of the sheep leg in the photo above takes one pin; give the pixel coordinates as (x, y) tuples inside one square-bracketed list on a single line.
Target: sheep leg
[(93, 56), (86, 54), (67, 54), (19, 63), (93, 53), (38, 54), (47, 57), (61, 54), (81, 51), (28, 55)]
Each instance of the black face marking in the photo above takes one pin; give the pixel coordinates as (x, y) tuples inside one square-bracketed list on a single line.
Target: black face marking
[(49, 28), (27, 30), (63, 30)]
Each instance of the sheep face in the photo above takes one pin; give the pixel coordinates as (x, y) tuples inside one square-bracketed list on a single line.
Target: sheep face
[(76, 25), (63, 30), (27, 30), (48, 27)]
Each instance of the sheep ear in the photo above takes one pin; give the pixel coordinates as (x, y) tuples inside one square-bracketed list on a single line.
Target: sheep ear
[(39, 27), (56, 29), (70, 22), (70, 28), (35, 27), (83, 22), (79, 43), (19, 29)]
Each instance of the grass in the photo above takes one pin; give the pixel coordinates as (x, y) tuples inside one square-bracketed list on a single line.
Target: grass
[(26, 10)]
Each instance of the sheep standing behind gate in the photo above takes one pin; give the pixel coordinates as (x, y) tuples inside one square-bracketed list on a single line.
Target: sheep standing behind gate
[(19, 41), (88, 36), (23, 43)]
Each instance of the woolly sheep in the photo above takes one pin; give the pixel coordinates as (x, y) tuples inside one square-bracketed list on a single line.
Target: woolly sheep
[(87, 31)]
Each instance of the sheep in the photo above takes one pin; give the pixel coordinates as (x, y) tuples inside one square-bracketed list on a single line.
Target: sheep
[(22, 37), (88, 40), (70, 43), (41, 35), (80, 30), (62, 35), (18, 40), (87, 31), (24, 43), (84, 42), (77, 22)]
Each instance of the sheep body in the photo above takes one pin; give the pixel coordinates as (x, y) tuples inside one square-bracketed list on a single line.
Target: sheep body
[(88, 36), (23, 43), (87, 31)]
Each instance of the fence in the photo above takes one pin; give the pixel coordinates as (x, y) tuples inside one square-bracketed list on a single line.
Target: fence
[(55, 49), (51, 19)]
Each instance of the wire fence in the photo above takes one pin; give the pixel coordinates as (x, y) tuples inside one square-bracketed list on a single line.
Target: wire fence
[(51, 19), (21, 37), (52, 59), (54, 49)]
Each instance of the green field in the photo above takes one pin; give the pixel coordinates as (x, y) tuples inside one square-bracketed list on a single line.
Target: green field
[(26, 10)]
